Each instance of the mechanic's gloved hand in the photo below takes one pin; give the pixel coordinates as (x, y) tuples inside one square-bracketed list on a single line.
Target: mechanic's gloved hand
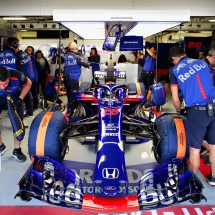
[(17, 103), (182, 112)]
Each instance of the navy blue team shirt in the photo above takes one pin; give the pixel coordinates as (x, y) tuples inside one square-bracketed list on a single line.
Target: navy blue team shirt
[(50, 87), (16, 80), (194, 79)]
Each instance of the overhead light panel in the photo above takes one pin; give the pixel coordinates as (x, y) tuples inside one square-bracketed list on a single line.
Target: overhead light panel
[(147, 29), (84, 15), (31, 26), (87, 30), (14, 18), (23, 30), (211, 20)]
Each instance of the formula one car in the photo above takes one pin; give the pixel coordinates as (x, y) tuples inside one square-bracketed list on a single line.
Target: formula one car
[(110, 117)]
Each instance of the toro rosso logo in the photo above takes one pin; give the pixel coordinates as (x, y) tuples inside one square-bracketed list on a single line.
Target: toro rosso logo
[(110, 173), (111, 188)]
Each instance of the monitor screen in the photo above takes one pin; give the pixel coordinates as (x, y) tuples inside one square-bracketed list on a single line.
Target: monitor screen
[(128, 43), (110, 43)]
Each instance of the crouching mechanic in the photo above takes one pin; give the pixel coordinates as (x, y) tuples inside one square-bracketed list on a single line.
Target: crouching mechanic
[(16, 85), (51, 90), (193, 78), (159, 94), (72, 71)]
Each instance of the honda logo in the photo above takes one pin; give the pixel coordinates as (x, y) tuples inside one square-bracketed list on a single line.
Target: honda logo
[(110, 173)]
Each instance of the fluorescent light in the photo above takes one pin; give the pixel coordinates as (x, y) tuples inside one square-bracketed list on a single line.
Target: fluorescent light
[(84, 15), (14, 18), (23, 30), (211, 20), (206, 32), (146, 29), (87, 30)]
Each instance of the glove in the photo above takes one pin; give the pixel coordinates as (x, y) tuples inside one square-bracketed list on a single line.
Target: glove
[(17, 103), (182, 112)]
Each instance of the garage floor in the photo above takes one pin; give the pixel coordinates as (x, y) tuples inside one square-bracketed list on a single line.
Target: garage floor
[(139, 159)]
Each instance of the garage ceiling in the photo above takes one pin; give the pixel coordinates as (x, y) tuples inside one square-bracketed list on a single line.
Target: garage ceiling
[(195, 25)]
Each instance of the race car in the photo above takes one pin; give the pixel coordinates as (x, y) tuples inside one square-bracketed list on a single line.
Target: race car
[(110, 117)]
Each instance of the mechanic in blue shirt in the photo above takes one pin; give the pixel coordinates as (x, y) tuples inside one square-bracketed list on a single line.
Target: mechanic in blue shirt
[(15, 84), (9, 57), (51, 90), (147, 75), (72, 71), (159, 94), (36, 68), (193, 78), (26, 61), (210, 61)]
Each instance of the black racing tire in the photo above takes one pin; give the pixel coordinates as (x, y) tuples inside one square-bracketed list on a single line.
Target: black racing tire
[(133, 87), (47, 136), (165, 144)]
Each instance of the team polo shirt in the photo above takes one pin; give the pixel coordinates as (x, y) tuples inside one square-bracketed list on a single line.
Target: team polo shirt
[(193, 78), (50, 87), (16, 80), (149, 64), (159, 93)]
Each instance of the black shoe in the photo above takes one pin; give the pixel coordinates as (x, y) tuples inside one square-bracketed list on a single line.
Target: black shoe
[(3, 148), (35, 108), (17, 153), (28, 115), (210, 179)]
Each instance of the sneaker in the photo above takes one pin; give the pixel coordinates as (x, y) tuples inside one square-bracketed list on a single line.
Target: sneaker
[(3, 148), (28, 115), (17, 153), (35, 108), (210, 179), (44, 104)]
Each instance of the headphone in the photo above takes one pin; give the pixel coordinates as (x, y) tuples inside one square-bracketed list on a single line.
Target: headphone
[(15, 45)]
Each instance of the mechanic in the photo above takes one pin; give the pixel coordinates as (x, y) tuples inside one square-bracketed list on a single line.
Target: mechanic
[(147, 75), (210, 58), (51, 90), (16, 85), (26, 60), (9, 57), (72, 71), (159, 94), (193, 78)]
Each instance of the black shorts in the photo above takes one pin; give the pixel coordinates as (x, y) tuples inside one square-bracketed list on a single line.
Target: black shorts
[(199, 126), (52, 98)]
